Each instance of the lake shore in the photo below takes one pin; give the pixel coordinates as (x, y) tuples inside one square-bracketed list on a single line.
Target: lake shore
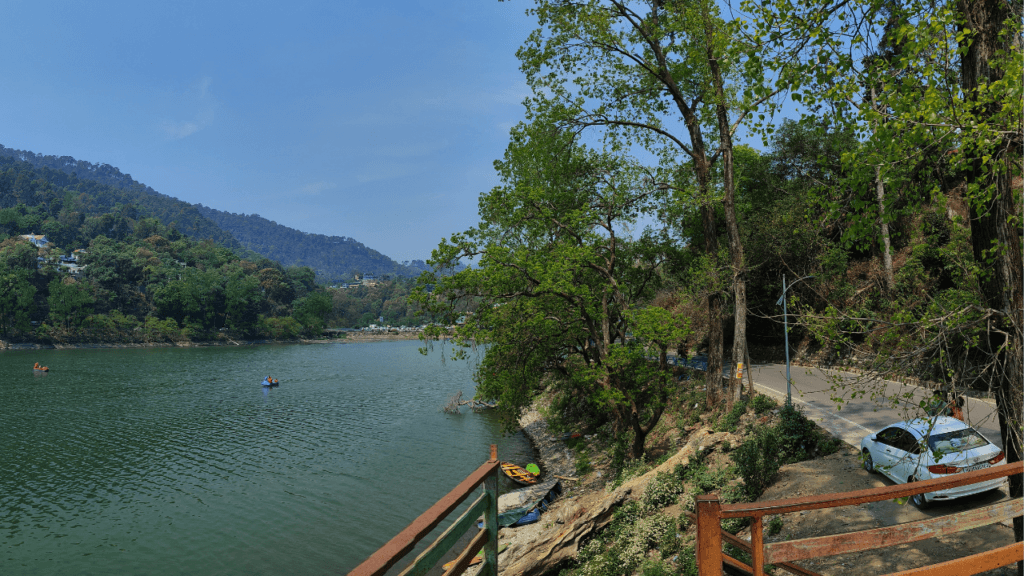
[(352, 337)]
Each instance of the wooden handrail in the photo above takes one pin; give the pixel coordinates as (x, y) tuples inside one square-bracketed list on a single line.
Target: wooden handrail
[(835, 500), (389, 554), (710, 514)]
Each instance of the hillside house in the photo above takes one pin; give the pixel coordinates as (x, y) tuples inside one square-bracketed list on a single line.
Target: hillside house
[(37, 240)]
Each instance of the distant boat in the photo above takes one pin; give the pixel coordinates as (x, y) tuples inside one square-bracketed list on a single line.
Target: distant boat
[(270, 382), (518, 474), (37, 369)]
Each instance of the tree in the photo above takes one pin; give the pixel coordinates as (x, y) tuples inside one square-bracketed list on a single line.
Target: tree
[(197, 297), (559, 285), (70, 302), (311, 311), (17, 298), (242, 298), (956, 89), (657, 75)]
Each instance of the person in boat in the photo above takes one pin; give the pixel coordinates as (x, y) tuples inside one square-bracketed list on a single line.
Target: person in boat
[(268, 382), (37, 367)]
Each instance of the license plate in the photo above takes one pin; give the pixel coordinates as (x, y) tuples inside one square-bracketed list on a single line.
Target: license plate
[(981, 466)]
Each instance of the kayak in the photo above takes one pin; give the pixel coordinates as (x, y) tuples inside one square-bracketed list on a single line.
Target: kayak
[(518, 474)]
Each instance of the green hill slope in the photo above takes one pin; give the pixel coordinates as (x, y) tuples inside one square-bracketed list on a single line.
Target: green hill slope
[(335, 258)]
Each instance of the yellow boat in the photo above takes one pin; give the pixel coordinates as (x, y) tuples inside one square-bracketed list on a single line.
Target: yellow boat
[(518, 474)]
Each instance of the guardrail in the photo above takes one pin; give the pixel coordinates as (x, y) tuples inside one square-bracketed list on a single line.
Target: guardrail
[(710, 513), (487, 538)]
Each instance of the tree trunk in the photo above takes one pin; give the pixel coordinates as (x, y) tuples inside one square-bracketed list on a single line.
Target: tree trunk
[(713, 377), (995, 236), (739, 273), (890, 282)]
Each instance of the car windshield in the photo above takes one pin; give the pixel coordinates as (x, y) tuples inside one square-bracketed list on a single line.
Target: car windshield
[(956, 441)]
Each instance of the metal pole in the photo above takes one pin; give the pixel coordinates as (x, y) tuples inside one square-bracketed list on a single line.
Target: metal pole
[(785, 323)]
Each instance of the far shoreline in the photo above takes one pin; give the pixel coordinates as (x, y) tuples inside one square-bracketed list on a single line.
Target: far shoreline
[(351, 337)]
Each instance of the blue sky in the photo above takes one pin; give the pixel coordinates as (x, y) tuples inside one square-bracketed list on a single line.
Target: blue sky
[(376, 121)]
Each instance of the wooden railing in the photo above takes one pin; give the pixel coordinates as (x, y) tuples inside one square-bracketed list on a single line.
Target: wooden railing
[(486, 538), (710, 513)]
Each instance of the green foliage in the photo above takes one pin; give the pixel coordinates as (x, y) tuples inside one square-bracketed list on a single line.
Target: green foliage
[(334, 258), (311, 311), (69, 301), (731, 420), (763, 404), (557, 288), (286, 328), (17, 299), (799, 437), (774, 526), (757, 460)]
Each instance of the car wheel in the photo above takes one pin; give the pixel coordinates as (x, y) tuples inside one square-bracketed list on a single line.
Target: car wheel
[(918, 500), (869, 464)]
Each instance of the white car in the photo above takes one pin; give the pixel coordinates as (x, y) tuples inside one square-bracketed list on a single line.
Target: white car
[(936, 447)]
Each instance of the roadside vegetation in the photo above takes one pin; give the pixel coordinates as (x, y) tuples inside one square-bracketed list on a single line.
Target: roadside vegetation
[(652, 534)]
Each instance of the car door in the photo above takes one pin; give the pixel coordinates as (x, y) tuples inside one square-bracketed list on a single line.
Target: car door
[(909, 448), (887, 455)]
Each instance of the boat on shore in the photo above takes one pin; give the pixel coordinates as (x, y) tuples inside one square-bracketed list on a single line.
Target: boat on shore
[(518, 474)]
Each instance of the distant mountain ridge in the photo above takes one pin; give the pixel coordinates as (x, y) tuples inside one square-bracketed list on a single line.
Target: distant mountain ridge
[(117, 187), (334, 258)]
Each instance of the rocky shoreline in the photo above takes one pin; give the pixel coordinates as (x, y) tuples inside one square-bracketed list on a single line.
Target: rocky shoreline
[(555, 460)]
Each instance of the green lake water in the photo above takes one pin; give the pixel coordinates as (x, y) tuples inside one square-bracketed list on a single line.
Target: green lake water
[(176, 461)]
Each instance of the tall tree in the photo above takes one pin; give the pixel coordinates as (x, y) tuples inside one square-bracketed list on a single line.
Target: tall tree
[(654, 75), (559, 284)]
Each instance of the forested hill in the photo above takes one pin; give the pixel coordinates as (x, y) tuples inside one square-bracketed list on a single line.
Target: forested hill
[(105, 187), (334, 258)]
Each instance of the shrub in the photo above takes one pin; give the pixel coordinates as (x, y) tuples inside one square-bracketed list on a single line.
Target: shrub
[(758, 460), (797, 435), (686, 563), (729, 421), (663, 491), (655, 568), (800, 438), (763, 404), (774, 526), (583, 465)]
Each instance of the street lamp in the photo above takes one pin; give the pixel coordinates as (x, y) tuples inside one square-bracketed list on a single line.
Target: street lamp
[(785, 323)]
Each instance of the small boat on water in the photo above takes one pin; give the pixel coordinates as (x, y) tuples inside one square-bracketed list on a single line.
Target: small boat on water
[(518, 474), (268, 381), (37, 369)]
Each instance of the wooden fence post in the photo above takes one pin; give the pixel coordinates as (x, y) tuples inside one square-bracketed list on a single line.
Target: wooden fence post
[(709, 535), (490, 567)]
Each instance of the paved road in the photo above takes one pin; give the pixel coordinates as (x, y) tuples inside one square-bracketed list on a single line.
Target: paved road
[(814, 388), (812, 392)]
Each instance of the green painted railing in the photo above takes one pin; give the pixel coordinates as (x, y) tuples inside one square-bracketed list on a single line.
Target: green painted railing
[(487, 538)]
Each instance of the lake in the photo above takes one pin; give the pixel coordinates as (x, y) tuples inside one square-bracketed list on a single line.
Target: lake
[(177, 460)]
